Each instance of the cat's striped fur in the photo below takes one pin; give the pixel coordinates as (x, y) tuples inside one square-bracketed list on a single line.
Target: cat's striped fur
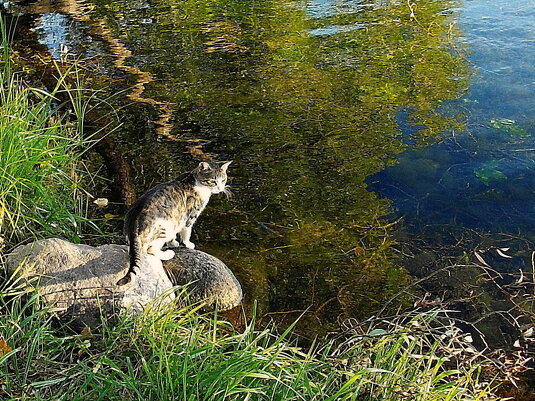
[(168, 210)]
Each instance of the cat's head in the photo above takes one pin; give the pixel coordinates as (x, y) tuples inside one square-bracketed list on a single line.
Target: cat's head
[(212, 175)]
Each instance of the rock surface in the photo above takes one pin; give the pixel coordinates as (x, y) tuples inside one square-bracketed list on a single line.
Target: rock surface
[(209, 279), (81, 280)]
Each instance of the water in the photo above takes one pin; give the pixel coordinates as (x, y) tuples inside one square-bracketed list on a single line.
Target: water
[(340, 116), (482, 176)]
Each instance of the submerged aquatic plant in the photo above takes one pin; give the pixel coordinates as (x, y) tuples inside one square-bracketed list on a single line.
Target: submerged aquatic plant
[(511, 127), (489, 172)]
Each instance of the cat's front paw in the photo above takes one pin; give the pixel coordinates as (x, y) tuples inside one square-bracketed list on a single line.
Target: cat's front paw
[(189, 245)]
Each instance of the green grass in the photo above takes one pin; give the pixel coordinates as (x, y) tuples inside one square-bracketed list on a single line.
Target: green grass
[(40, 158), (178, 354)]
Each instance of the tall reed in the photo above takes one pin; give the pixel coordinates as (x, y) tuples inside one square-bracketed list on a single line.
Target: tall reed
[(177, 354), (40, 151)]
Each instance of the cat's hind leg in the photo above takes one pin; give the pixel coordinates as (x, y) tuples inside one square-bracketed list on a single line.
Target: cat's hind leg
[(173, 243), (166, 255), (155, 249), (161, 238)]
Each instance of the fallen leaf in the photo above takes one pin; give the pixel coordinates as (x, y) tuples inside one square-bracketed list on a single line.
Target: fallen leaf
[(503, 255), (97, 367), (358, 251), (4, 348), (86, 332), (101, 202), (521, 278), (480, 258)]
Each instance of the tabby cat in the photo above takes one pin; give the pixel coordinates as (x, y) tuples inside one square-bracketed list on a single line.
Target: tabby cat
[(168, 210)]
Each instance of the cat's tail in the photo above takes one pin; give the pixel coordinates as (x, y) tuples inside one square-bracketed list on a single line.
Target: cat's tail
[(135, 258)]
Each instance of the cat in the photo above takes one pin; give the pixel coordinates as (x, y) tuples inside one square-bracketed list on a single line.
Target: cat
[(168, 210)]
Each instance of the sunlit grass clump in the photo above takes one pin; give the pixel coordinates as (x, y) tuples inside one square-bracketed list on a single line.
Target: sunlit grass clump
[(177, 354), (40, 153)]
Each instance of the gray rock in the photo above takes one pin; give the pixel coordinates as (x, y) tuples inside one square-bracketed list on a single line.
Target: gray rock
[(80, 280), (209, 280)]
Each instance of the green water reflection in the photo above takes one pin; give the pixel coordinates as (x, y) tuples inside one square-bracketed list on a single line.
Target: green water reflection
[(307, 104)]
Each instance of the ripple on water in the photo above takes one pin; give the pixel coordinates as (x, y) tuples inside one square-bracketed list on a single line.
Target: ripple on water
[(334, 29)]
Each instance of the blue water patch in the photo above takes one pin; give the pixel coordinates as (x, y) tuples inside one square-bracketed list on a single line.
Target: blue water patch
[(329, 8), (334, 29), (482, 177), (54, 30), (65, 37)]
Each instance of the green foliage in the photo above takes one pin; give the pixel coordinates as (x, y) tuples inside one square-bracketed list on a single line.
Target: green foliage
[(175, 354), (40, 160)]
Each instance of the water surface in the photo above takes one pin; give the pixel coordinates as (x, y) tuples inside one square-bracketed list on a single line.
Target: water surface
[(481, 177), (340, 116)]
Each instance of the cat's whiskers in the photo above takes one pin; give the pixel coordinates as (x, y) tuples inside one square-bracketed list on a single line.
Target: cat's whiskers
[(228, 193)]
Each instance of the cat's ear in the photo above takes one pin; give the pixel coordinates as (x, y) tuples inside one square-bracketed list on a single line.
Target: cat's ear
[(225, 165), (203, 166)]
